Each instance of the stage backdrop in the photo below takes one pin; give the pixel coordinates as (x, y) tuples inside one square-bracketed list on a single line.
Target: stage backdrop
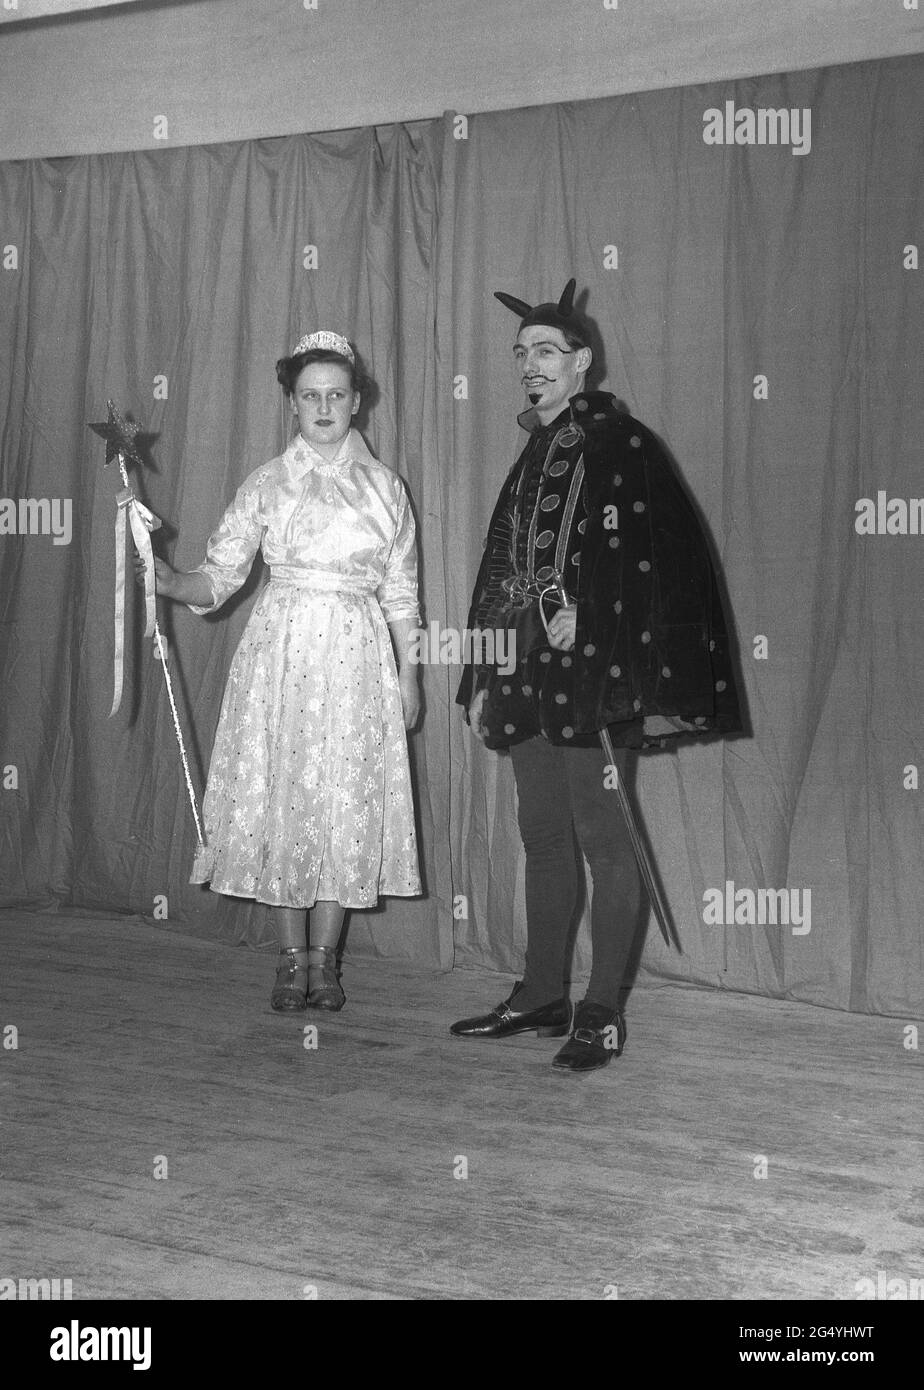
[(759, 306)]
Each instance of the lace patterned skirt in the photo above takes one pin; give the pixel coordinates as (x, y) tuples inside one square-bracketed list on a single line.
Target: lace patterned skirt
[(309, 792)]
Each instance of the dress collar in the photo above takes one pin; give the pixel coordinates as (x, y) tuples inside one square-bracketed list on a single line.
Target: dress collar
[(302, 457)]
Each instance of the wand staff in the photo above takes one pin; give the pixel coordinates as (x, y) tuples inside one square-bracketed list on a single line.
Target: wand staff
[(119, 435)]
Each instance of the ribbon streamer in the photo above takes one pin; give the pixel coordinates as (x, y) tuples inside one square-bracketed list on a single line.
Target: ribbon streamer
[(143, 522)]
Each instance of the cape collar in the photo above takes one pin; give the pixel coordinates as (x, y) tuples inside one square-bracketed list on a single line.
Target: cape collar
[(585, 406), (302, 458)]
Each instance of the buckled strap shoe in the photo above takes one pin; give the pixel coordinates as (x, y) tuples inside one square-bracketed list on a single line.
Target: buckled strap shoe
[(599, 1035), (550, 1021), (324, 988), (291, 987)]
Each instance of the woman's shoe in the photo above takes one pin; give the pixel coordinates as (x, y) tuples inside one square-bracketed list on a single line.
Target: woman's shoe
[(324, 990), (291, 987)]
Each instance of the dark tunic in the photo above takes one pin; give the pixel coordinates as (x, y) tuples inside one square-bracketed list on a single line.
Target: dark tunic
[(594, 504)]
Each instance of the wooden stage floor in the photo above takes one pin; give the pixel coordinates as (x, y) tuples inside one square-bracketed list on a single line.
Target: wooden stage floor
[(291, 1169)]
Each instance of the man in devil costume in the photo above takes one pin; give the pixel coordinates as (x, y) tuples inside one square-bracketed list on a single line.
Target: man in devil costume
[(597, 561)]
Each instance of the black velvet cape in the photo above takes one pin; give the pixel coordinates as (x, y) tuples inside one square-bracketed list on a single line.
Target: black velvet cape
[(651, 657)]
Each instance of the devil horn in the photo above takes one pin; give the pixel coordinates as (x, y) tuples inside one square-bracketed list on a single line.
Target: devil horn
[(519, 306), (566, 303)]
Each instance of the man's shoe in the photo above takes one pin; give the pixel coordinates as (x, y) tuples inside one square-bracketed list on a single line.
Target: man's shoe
[(551, 1021), (599, 1035)]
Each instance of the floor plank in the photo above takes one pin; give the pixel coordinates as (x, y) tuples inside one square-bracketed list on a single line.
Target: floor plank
[(333, 1168)]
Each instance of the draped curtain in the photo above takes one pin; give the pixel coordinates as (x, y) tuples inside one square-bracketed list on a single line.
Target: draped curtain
[(760, 309)]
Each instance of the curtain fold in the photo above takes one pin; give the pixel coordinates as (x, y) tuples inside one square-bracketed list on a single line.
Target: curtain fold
[(758, 308)]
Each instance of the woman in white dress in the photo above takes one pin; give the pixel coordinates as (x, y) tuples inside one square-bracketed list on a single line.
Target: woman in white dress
[(308, 803)]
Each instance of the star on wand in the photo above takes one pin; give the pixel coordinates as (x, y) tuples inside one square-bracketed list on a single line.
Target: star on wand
[(120, 434)]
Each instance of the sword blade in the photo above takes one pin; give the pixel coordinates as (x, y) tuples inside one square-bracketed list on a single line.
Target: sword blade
[(640, 849)]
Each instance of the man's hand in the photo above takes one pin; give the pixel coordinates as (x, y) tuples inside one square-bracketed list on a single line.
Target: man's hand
[(474, 713), (410, 696), (562, 629)]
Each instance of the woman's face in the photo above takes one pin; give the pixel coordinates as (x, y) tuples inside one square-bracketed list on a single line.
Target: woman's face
[(325, 405)]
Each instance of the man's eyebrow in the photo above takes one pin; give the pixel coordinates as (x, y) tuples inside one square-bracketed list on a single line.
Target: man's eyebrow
[(543, 342)]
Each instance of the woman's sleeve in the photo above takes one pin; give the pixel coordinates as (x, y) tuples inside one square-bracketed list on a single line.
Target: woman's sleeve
[(232, 547), (397, 593)]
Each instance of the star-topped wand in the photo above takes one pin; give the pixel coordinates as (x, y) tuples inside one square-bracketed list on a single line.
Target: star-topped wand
[(119, 435)]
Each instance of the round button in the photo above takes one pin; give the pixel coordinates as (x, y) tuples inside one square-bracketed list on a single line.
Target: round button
[(548, 504), (558, 467), (544, 538), (635, 442), (615, 671)]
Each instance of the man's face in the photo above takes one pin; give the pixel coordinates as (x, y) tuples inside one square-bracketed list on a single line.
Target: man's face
[(549, 371)]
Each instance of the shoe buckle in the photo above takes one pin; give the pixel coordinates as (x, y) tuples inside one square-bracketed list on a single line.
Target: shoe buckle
[(584, 1035)]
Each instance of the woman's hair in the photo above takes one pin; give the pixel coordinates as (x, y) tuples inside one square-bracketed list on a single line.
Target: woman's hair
[(288, 369)]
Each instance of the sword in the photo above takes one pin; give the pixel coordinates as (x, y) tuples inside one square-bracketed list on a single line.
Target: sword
[(661, 911), (637, 840)]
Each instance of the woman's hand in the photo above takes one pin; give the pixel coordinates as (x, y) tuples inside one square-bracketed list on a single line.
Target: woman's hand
[(164, 576), (410, 696), (562, 629)]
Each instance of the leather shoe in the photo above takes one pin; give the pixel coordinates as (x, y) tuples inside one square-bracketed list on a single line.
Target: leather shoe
[(599, 1034), (291, 985), (550, 1021)]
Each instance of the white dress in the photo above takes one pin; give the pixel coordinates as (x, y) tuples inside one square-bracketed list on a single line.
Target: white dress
[(309, 793)]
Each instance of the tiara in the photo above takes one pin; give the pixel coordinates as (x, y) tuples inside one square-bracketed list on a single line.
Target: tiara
[(332, 342)]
